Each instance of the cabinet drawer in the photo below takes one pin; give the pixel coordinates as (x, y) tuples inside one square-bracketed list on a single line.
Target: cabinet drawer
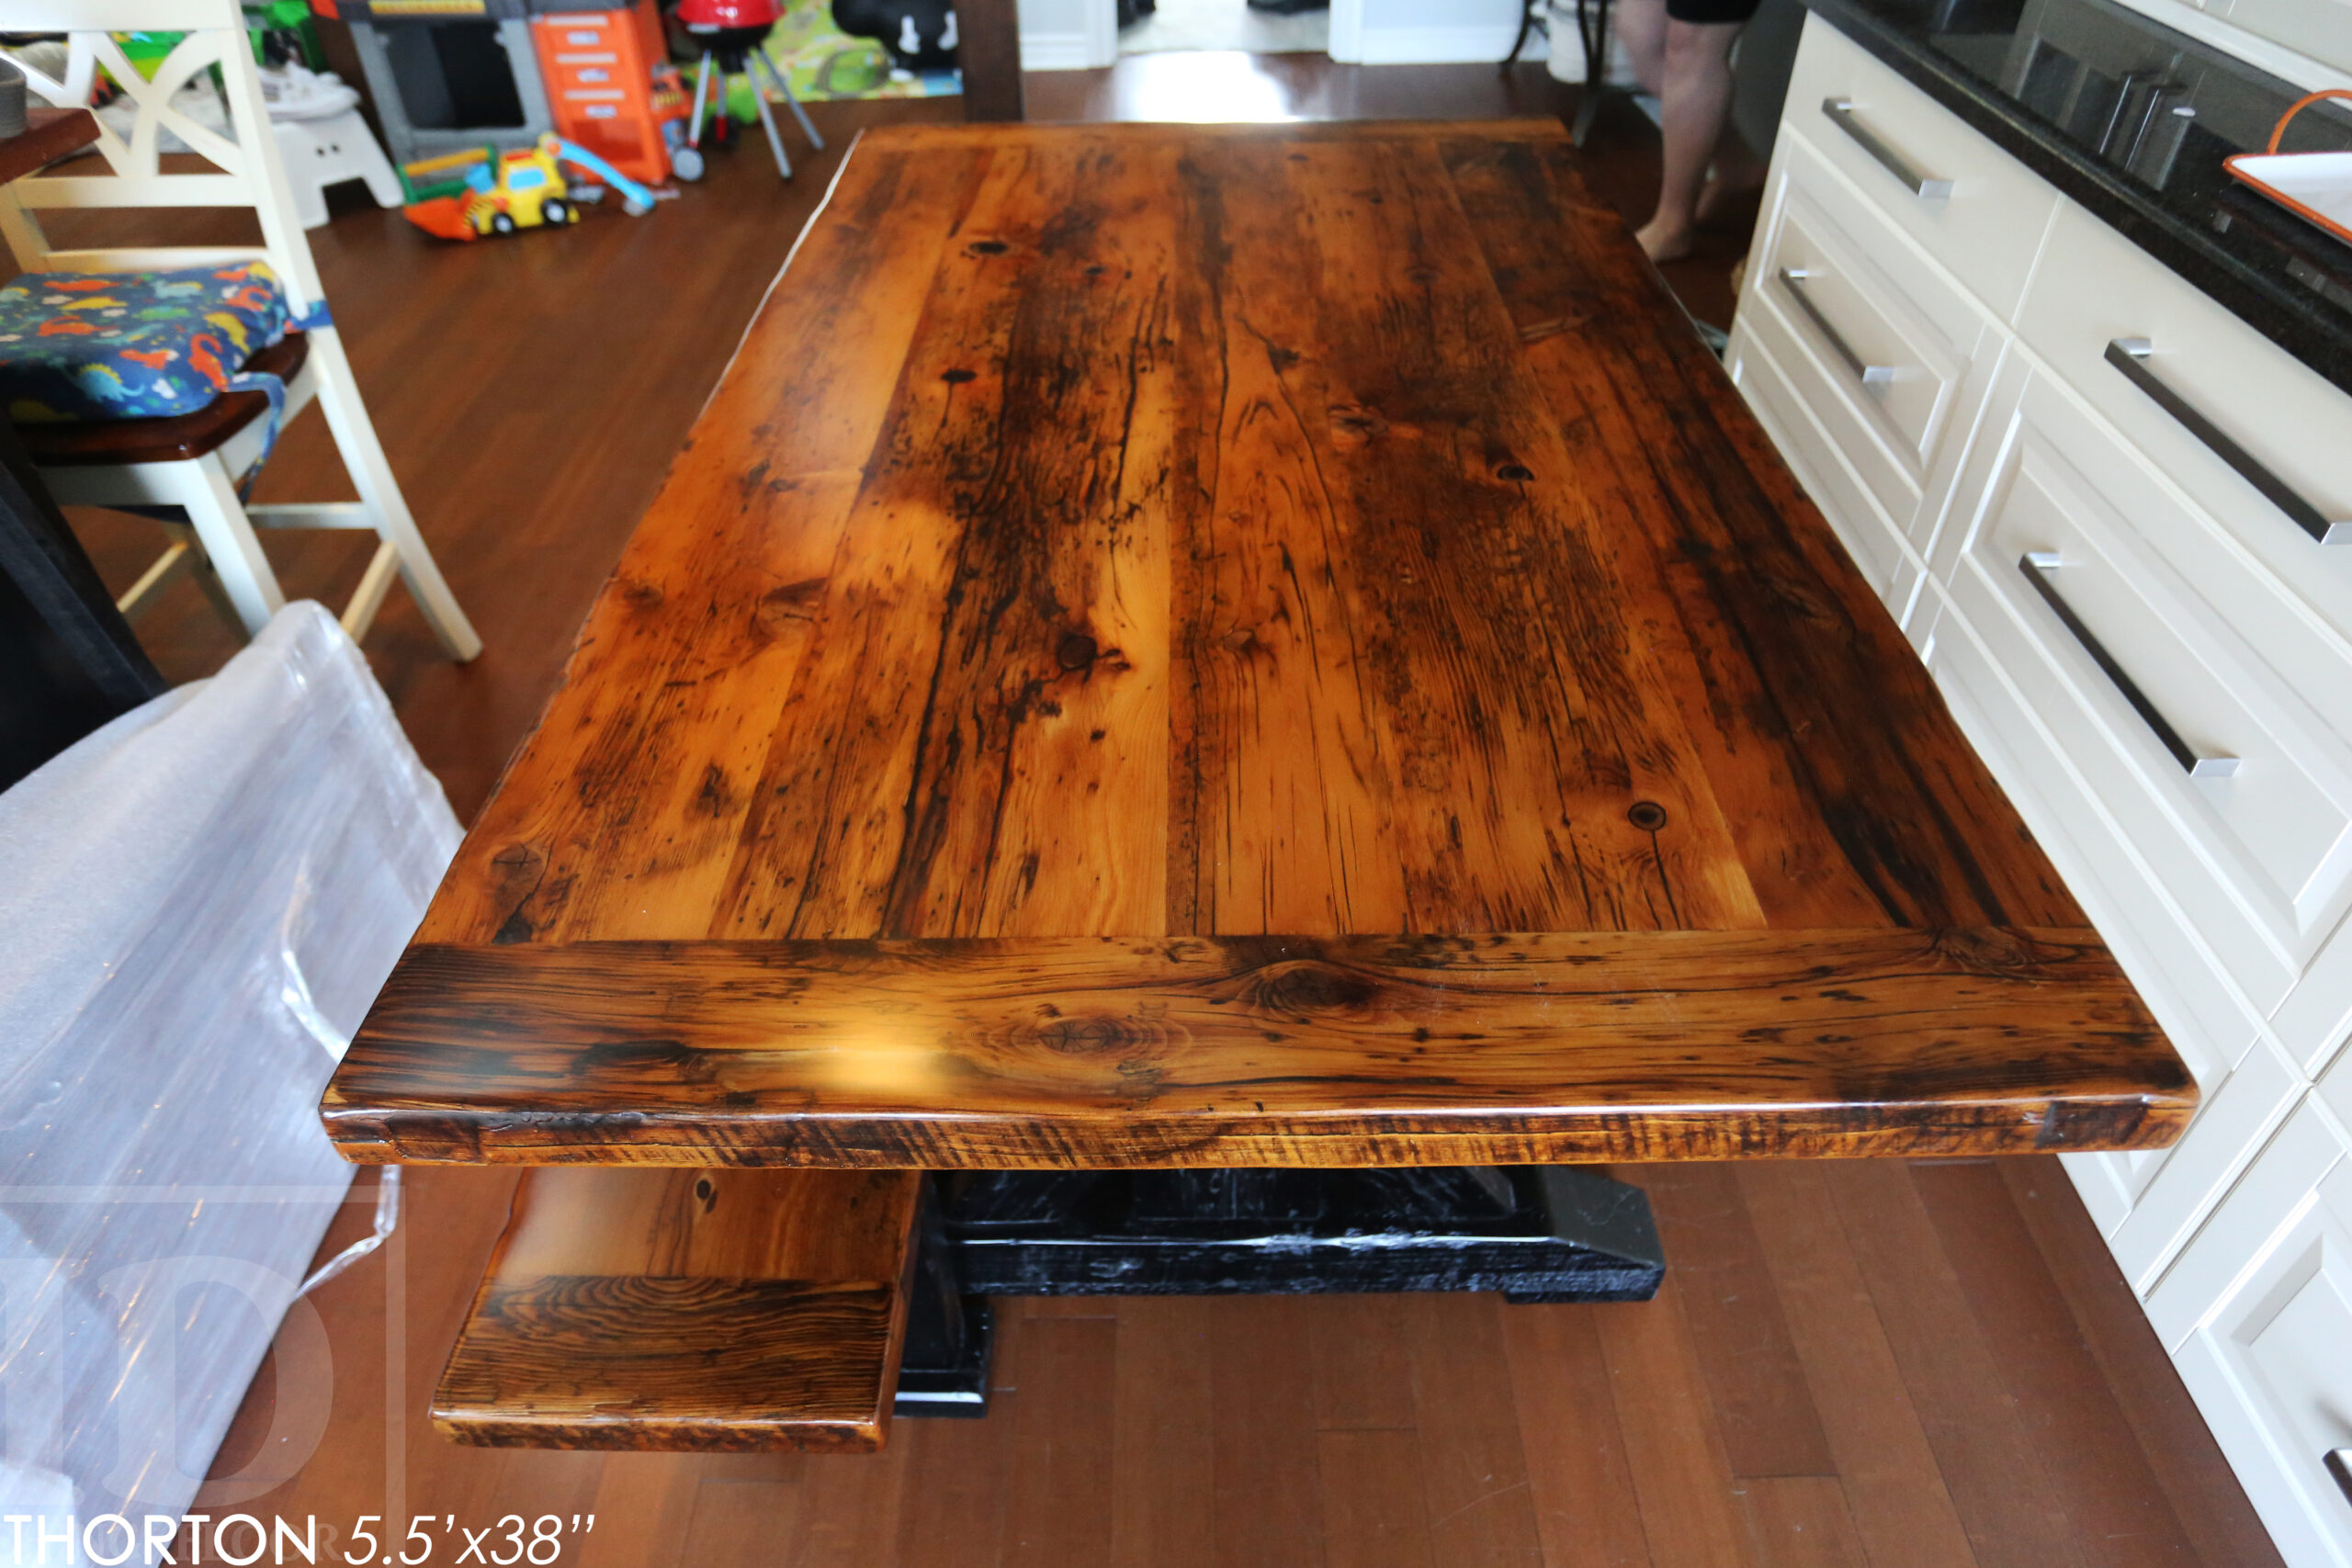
[(2166, 1191), (1892, 353), (2221, 777), (2177, 975), (2258, 1314), (2289, 595), (1760, 347), (1986, 226)]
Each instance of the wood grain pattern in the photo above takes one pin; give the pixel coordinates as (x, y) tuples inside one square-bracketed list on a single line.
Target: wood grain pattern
[(687, 1310), (1087, 1050), (1152, 532)]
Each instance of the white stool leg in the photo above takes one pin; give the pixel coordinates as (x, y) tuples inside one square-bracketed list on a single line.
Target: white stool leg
[(363, 456), (202, 488)]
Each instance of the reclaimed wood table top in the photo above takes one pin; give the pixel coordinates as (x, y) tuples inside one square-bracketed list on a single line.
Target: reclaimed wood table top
[(1228, 646)]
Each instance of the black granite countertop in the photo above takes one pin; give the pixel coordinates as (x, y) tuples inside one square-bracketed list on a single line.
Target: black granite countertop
[(2132, 120)]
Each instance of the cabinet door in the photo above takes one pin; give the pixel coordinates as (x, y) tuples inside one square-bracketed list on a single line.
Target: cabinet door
[(2259, 1311), (1866, 363), (2145, 1203)]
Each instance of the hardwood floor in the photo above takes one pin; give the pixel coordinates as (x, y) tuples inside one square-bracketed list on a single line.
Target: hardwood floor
[(1860, 1362)]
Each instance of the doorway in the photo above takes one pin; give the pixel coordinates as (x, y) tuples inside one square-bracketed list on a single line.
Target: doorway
[(1203, 25)]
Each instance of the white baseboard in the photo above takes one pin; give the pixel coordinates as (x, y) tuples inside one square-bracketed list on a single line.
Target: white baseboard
[(1440, 46), (1055, 51)]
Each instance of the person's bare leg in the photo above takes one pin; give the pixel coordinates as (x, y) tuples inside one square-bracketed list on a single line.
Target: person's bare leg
[(1737, 171), (1640, 26), (1696, 100)]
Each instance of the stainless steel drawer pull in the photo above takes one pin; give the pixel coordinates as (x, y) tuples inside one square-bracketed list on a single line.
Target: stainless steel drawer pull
[(1925, 187), (2130, 356), (2036, 566), (2339, 1465), (1793, 280)]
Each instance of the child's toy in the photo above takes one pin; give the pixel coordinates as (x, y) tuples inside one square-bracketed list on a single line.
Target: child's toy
[(606, 75), (919, 34), (316, 154), (736, 31), (522, 189), (444, 176)]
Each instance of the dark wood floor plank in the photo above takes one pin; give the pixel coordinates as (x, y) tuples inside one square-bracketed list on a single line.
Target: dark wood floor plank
[(1800, 1521), (1674, 1448), (958, 1484), (1046, 1052), (1894, 1493), (850, 1515), (1586, 1507), (1363, 1363), (1058, 1496), (1164, 1509), (1472, 1468), (1267, 1506), (2205, 1495), (1763, 1407), (2118, 1507), (737, 1521), (644, 1505), (1999, 1480), (1373, 1516)]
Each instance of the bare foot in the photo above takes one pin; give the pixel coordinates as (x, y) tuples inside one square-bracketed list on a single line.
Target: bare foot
[(1662, 241)]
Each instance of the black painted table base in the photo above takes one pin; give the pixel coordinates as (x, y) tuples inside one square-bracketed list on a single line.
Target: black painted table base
[(1534, 1233)]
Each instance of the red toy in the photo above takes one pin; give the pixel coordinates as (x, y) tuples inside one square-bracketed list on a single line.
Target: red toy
[(736, 32), (710, 15)]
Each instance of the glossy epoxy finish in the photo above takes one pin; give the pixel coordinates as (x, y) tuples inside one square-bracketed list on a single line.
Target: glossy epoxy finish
[(1154, 532)]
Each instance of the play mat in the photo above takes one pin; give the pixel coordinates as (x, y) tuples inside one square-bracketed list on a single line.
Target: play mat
[(822, 63)]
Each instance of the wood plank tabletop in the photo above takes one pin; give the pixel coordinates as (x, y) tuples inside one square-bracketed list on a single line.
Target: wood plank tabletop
[(1223, 645)]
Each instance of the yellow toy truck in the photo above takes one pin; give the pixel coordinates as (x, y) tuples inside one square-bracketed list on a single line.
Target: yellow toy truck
[(521, 190)]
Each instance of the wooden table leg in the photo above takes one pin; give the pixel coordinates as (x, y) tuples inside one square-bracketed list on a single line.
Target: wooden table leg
[(988, 48)]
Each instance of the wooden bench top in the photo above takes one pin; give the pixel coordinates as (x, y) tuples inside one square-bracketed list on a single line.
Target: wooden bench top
[(1188, 535), (700, 1310)]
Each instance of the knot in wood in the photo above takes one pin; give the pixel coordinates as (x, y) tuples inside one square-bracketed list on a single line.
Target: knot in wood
[(1646, 815), (1302, 987), (1075, 652)]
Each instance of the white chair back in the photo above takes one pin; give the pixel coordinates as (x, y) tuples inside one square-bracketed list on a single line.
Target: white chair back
[(245, 172)]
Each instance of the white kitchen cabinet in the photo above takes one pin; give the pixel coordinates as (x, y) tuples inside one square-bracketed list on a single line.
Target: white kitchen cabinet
[(2258, 1318), (2148, 636)]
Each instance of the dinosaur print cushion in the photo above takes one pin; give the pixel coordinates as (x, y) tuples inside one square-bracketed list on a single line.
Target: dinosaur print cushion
[(132, 345)]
